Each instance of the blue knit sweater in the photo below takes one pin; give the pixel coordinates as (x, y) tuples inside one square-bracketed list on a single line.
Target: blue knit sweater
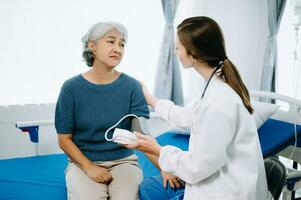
[(86, 110)]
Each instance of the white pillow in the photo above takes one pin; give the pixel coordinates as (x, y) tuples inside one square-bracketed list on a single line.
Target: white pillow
[(263, 111)]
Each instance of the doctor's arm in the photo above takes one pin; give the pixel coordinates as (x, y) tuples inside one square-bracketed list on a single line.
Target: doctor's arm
[(207, 152), (168, 178), (179, 116)]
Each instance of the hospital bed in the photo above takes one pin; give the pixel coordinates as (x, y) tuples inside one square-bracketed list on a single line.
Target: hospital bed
[(281, 136), (42, 176)]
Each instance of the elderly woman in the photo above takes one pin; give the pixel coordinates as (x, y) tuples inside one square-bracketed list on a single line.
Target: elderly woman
[(90, 103)]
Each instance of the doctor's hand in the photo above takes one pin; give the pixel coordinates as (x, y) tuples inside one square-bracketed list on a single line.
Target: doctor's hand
[(172, 180), (98, 174), (145, 143), (150, 99)]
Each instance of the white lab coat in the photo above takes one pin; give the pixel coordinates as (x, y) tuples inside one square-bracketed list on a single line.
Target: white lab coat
[(224, 160)]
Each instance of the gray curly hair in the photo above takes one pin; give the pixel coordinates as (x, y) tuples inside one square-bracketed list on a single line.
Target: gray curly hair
[(96, 32)]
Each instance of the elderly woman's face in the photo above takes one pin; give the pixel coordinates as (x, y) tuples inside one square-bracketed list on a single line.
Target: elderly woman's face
[(109, 49)]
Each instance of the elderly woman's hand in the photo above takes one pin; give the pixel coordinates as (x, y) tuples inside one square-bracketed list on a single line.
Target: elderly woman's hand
[(145, 143), (98, 174)]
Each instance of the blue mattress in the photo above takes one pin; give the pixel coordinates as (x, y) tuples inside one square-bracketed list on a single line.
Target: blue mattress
[(33, 178), (42, 177), (275, 135)]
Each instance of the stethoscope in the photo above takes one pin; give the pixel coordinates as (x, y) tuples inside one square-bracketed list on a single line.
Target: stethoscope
[(211, 76)]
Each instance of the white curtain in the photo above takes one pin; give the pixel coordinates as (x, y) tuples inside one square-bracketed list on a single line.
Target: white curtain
[(168, 82)]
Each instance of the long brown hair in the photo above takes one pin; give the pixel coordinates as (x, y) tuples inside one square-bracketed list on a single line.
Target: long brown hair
[(204, 41)]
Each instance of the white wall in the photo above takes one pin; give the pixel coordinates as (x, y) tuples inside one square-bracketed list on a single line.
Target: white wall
[(244, 23), (245, 28), (41, 43)]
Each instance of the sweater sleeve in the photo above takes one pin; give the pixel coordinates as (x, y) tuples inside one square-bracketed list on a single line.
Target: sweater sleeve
[(64, 112), (138, 103)]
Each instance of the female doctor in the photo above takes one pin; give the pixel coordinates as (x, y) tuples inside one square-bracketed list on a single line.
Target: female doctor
[(224, 159)]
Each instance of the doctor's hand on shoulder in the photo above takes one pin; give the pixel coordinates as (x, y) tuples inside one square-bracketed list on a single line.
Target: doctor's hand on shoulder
[(145, 143), (150, 99)]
